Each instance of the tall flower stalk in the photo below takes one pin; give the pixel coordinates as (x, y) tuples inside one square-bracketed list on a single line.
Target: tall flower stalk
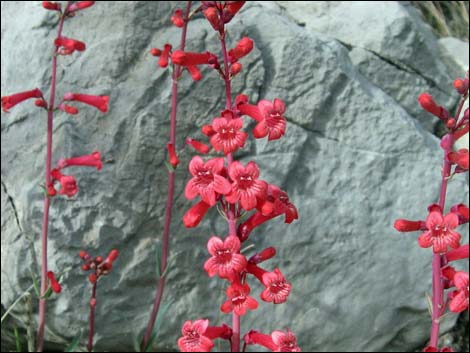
[(180, 20), (54, 177), (438, 230)]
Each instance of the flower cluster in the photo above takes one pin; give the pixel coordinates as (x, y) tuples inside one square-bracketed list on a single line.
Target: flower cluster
[(97, 265), (438, 230), (235, 188)]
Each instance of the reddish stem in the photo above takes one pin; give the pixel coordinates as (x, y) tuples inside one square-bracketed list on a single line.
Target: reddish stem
[(231, 218), (91, 333), (170, 195), (47, 200)]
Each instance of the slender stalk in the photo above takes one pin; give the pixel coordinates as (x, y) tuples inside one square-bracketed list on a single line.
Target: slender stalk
[(231, 218), (47, 200), (91, 332), (438, 305), (170, 196)]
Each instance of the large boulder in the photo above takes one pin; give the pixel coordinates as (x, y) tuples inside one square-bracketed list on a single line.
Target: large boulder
[(357, 155)]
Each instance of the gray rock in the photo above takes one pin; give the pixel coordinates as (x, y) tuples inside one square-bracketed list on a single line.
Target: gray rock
[(353, 160), (455, 54)]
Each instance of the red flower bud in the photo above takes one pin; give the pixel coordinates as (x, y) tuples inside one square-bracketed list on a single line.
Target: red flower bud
[(234, 6), (113, 255), (9, 102), (428, 104), (163, 62), (49, 5), (55, 285), (155, 52), (92, 278), (68, 109), (80, 5), (99, 260), (174, 161), (41, 103), (235, 68), (194, 72), (83, 254), (461, 158), (243, 48), (51, 191), (461, 85), (198, 146), (93, 303), (186, 58), (264, 255), (177, 18), (208, 130), (212, 16), (404, 225), (460, 253), (85, 267)]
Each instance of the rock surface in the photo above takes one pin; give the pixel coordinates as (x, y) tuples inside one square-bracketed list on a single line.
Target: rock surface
[(357, 155)]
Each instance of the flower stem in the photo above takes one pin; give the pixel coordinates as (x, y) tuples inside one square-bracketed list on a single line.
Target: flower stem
[(170, 196), (47, 200), (232, 221), (91, 332)]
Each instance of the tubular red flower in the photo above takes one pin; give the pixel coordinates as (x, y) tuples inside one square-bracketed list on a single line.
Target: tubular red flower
[(246, 187), (404, 225), (173, 158), (440, 234), (249, 109), (262, 256), (67, 182), (460, 253), (228, 136), (255, 220), (198, 146), (278, 341), (428, 104), (55, 285), (177, 18), (254, 337), (273, 123), (461, 85), (68, 109), (223, 332), (239, 300), (277, 203), (195, 214), (207, 181), (277, 288), (99, 102), (113, 255), (90, 160), (194, 72), (460, 158), (53, 6), (234, 6), (243, 48), (185, 58), (194, 338), (9, 102), (80, 5), (163, 62), (226, 260), (459, 301), (70, 45)]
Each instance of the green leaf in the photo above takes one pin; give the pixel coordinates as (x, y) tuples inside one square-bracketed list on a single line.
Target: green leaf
[(35, 284), (17, 340), (158, 256), (170, 168), (71, 347), (170, 263), (158, 322), (7, 312), (47, 294)]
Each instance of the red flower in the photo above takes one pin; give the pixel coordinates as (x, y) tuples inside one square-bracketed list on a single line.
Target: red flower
[(185, 58), (174, 161), (195, 214), (434, 349), (212, 16), (67, 182), (440, 233), (198, 146), (460, 158), (206, 180), (243, 48), (194, 339), (80, 5), (246, 187), (462, 211), (239, 300), (459, 300), (277, 289), (234, 6), (458, 254), (428, 104), (108, 262), (69, 45), (49, 5), (55, 285), (278, 203), (264, 255), (177, 18), (99, 102), (91, 160), (226, 260), (278, 341), (194, 72), (270, 117), (228, 136), (9, 102)]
